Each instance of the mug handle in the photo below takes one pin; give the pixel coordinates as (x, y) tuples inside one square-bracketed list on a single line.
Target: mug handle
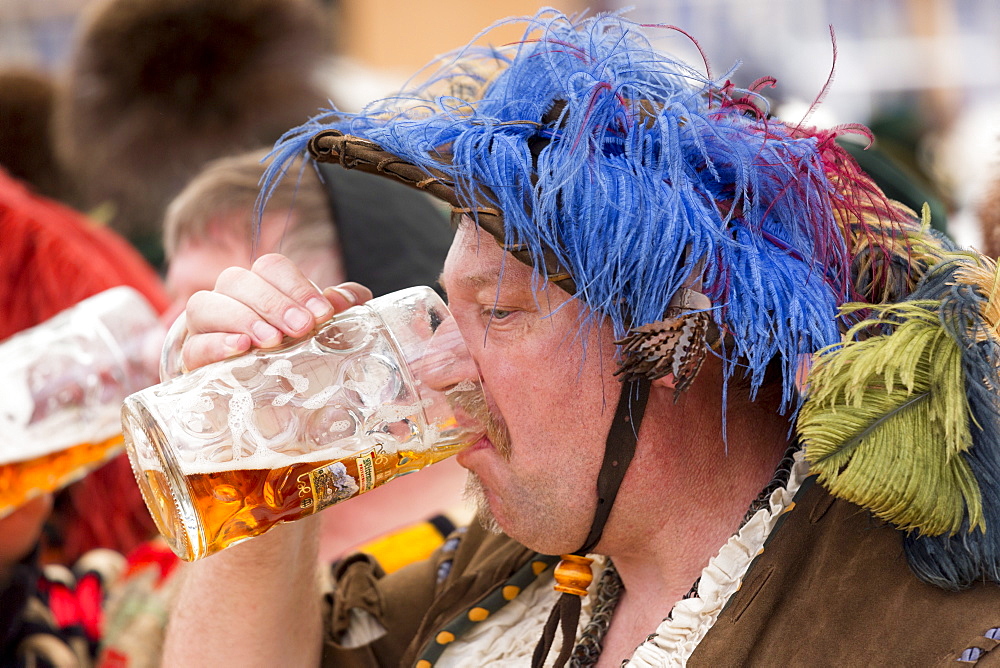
[(171, 360)]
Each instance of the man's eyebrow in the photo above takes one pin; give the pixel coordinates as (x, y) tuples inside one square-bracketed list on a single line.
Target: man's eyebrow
[(473, 282)]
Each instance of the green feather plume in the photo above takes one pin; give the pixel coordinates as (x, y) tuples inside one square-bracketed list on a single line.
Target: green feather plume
[(887, 420)]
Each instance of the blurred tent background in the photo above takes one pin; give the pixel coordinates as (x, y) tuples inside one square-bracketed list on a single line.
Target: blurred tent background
[(923, 74)]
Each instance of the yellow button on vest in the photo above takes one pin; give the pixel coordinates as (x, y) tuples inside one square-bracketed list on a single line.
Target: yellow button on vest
[(445, 637), (478, 614), (510, 592), (538, 566), (423, 663)]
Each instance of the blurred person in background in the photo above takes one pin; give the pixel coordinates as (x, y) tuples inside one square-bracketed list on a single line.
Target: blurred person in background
[(157, 88), (53, 571), (338, 226), (385, 234), (988, 216), (27, 150)]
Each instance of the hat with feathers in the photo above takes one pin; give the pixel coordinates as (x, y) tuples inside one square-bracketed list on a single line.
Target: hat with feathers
[(673, 203)]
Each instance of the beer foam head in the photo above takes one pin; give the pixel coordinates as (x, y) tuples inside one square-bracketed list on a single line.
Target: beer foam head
[(264, 459)]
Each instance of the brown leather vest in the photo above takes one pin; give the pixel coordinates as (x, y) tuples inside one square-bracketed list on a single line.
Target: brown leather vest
[(831, 588)]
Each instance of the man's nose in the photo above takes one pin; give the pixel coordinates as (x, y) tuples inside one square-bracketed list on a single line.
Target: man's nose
[(446, 361)]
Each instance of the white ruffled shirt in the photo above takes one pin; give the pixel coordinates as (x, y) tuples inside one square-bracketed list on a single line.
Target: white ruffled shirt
[(508, 638)]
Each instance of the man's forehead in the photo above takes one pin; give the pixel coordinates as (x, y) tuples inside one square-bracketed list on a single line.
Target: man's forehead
[(477, 281), (476, 261), (472, 276)]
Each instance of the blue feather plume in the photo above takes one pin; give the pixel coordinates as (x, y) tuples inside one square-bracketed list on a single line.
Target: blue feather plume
[(644, 154)]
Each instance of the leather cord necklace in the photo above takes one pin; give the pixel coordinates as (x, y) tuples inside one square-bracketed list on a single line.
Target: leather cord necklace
[(573, 574)]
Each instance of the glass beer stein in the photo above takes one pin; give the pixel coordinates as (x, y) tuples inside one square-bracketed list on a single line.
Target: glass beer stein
[(227, 451), (63, 382)]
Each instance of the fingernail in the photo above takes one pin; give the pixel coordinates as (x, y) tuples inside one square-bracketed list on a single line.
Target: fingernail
[(233, 343), (297, 319), (263, 331), (348, 295), (318, 307)]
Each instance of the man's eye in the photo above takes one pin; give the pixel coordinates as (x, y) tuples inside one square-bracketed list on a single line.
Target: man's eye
[(435, 320), (497, 313)]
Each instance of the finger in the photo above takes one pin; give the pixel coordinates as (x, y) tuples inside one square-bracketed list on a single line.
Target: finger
[(274, 312), (346, 295), (212, 312), (215, 320), (286, 276), (202, 349)]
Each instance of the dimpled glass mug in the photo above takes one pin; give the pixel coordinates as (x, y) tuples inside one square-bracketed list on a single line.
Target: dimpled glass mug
[(228, 451), (63, 384)]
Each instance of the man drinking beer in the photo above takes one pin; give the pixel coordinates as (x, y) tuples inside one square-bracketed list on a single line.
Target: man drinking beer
[(646, 265)]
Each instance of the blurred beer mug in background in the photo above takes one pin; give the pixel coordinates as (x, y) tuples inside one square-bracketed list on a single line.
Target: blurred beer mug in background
[(63, 382), (227, 451)]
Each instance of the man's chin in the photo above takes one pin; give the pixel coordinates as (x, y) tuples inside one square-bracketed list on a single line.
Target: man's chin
[(476, 493)]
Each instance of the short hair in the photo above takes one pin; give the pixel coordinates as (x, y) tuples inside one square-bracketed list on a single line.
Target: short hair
[(230, 187)]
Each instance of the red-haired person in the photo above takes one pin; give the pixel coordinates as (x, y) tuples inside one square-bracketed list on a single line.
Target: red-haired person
[(51, 258)]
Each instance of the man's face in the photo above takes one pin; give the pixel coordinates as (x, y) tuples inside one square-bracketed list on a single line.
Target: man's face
[(198, 262), (549, 384)]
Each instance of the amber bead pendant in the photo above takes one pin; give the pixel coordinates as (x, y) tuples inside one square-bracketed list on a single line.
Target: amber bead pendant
[(573, 574)]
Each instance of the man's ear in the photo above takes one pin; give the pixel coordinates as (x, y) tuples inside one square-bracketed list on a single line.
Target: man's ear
[(802, 368), (666, 382)]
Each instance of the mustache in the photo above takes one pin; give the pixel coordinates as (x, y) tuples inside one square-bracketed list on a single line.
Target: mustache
[(474, 404), (474, 494)]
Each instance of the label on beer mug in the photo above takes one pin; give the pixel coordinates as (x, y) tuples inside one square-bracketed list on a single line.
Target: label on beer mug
[(366, 471), (326, 486), (340, 480)]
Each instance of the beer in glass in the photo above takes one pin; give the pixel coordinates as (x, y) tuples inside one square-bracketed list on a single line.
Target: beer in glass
[(227, 451), (64, 382)]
